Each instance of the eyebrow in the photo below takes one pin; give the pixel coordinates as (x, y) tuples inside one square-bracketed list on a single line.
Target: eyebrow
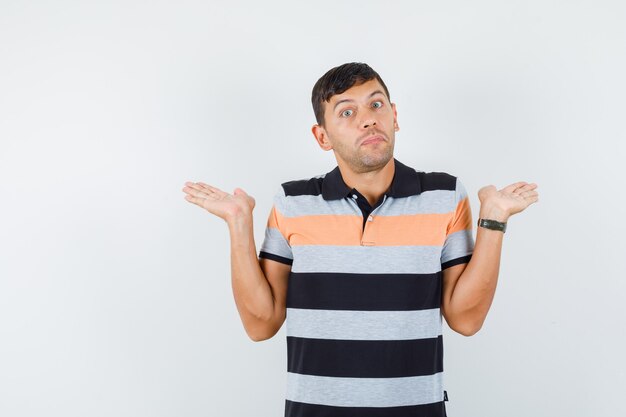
[(347, 99)]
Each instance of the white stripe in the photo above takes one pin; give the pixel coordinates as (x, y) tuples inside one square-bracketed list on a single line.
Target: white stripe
[(457, 244), (275, 243), (363, 325), (367, 259), (364, 392), (428, 202)]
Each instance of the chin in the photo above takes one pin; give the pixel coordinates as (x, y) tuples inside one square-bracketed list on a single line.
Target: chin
[(376, 160)]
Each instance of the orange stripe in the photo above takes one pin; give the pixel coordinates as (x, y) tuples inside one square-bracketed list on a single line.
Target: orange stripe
[(276, 220), (463, 217), (345, 230), (324, 229), (415, 229), (411, 229), (271, 221)]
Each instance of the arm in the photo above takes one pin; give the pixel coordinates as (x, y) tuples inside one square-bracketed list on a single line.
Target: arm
[(259, 292), (468, 289), (259, 286)]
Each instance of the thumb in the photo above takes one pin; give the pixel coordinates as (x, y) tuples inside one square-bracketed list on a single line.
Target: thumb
[(238, 191)]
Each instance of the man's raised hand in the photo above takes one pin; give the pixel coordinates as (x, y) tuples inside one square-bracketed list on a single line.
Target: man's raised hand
[(508, 201), (222, 204)]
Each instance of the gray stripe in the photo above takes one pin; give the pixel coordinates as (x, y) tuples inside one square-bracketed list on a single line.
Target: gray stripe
[(428, 202), (457, 244), (313, 205), (367, 259), (280, 201), (275, 243), (363, 325), (364, 392), (461, 191), (436, 201)]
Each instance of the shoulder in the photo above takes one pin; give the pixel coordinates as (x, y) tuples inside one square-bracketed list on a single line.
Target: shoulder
[(437, 180), (428, 181), (449, 183), (305, 186), (297, 187)]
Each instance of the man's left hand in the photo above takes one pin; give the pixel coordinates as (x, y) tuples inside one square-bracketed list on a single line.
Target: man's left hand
[(508, 201)]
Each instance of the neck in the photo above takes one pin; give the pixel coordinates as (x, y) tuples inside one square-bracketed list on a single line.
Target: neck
[(372, 184)]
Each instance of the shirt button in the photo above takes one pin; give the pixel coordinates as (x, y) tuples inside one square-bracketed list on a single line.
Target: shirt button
[(354, 196), (370, 218)]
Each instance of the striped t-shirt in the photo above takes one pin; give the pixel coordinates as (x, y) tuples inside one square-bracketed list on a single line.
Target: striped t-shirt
[(364, 325)]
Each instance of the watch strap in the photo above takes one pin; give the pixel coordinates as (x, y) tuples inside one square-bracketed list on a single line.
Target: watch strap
[(492, 224)]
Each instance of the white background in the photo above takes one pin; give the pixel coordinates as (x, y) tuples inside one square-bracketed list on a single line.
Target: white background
[(115, 292)]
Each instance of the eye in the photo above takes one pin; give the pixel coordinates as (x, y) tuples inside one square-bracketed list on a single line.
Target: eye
[(381, 104), (343, 113)]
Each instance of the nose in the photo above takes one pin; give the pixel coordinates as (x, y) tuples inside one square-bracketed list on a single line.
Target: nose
[(369, 118), (368, 123)]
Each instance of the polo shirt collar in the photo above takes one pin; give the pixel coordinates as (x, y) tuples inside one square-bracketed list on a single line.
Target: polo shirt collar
[(405, 183)]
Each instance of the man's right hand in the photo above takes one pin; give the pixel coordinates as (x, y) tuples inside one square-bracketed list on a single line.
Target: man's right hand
[(227, 206)]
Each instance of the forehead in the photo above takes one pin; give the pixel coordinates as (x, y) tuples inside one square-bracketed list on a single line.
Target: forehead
[(358, 91)]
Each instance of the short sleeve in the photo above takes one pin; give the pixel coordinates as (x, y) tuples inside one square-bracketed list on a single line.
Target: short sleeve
[(459, 244), (275, 244)]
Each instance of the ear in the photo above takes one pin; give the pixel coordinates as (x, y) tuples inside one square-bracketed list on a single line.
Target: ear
[(321, 137), (395, 117)]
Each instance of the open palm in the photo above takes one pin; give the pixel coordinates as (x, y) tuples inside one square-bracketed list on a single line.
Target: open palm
[(218, 202), (511, 199)]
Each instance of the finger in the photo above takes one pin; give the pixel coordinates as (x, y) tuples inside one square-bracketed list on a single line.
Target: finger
[(533, 199), (195, 200), (213, 189), (526, 188), (190, 186), (511, 188), (199, 193), (528, 193), (194, 185), (530, 186), (520, 190)]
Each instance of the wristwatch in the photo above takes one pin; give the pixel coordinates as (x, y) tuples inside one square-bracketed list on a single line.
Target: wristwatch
[(492, 224)]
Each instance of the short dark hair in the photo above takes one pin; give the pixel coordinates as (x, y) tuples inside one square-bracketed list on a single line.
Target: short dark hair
[(339, 79)]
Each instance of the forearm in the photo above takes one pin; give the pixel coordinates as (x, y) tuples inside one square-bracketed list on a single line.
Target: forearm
[(252, 292), (475, 289)]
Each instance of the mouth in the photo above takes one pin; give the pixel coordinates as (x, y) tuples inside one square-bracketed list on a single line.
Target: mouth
[(373, 139)]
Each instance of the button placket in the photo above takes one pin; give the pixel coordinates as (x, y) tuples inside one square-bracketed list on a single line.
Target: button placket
[(368, 237), (357, 209)]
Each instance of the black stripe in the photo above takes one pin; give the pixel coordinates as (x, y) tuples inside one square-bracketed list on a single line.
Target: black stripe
[(297, 409), (457, 261), (277, 258), (370, 292), (406, 182), (312, 186), (365, 358), (437, 181)]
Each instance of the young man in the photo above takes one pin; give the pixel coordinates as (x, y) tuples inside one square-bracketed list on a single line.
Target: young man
[(374, 252)]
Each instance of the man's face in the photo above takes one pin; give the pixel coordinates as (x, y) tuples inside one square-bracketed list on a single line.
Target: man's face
[(358, 114)]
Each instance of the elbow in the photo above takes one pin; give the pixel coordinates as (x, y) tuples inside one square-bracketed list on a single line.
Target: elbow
[(468, 333), (260, 329), (468, 329), (262, 334), (265, 329), (258, 337)]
